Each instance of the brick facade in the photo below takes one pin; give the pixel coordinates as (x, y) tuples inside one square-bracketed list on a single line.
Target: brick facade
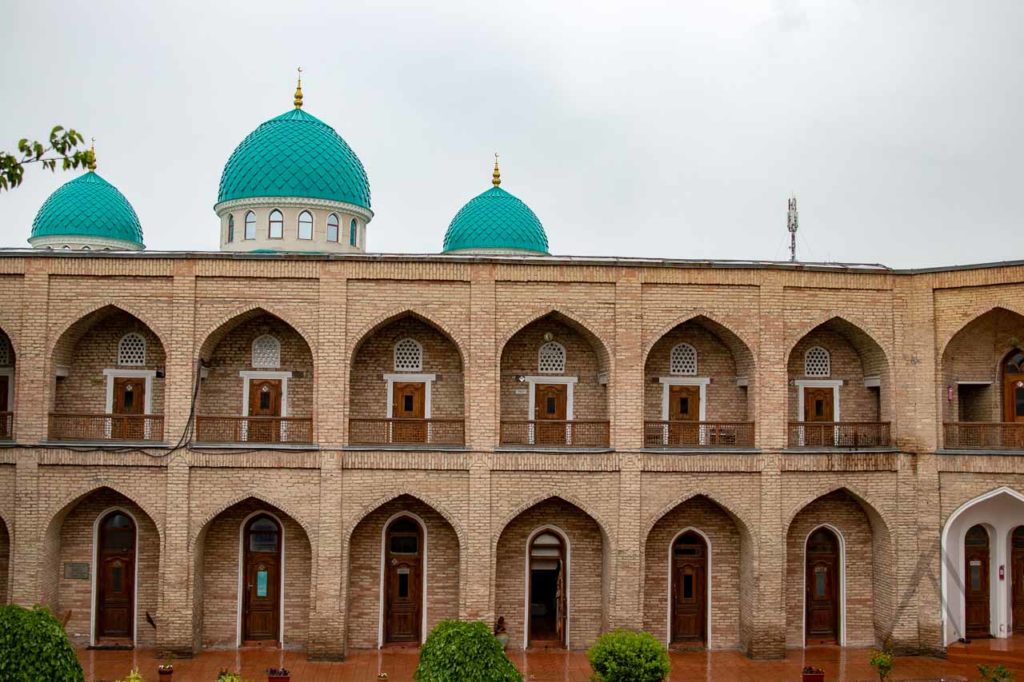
[(481, 321)]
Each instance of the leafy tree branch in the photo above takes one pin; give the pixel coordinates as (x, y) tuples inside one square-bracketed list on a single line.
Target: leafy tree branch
[(63, 149)]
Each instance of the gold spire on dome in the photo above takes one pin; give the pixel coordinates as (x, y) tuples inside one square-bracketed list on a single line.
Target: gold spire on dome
[(496, 176), (91, 165), (298, 91)]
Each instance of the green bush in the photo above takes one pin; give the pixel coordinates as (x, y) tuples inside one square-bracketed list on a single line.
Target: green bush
[(628, 656), (33, 647), (995, 673), (456, 651)]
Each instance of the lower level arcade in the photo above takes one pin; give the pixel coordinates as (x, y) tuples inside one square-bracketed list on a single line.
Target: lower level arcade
[(561, 570)]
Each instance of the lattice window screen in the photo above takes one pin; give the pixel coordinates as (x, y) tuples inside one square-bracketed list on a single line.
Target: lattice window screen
[(817, 362), (408, 356), (266, 352), (683, 360), (131, 350), (5, 353), (551, 358)]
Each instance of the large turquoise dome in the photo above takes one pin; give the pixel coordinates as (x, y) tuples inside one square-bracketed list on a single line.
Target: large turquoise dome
[(87, 211), (295, 155), (496, 221)]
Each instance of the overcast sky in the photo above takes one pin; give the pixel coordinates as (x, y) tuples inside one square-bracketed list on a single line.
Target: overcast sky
[(673, 129)]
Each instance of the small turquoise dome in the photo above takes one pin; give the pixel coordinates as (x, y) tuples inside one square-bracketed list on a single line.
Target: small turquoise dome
[(295, 155), (87, 208), (496, 221)]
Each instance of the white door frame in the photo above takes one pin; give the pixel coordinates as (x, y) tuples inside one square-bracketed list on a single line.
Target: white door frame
[(801, 384), (541, 379), (707, 586), (93, 611), (427, 379), (241, 576), (568, 579), (842, 584), (423, 575)]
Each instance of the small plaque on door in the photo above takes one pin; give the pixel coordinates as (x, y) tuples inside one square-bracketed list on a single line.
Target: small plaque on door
[(76, 570)]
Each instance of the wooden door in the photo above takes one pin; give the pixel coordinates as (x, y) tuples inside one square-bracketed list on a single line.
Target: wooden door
[(1013, 400), (261, 591), (976, 583), (115, 578), (689, 589), (403, 582), (129, 406), (1017, 576), (818, 407), (684, 415), (822, 588), (408, 402), (264, 401), (5, 420), (550, 406)]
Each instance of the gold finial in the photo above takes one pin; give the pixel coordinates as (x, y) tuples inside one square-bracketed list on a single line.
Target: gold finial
[(496, 176), (92, 156), (298, 91)]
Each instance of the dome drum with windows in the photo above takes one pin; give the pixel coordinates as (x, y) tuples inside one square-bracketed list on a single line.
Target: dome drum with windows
[(294, 185)]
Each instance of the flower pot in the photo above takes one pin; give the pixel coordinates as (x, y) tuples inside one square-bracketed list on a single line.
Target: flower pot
[(813, 677), (279, 678), (164, 675), (502, 638)]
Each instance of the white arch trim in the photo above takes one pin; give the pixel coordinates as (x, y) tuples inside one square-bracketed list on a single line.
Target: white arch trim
[(423, 573), (568, 582), (241, 576), (994, 546), (707, 586), (93, 611), (842, 582)]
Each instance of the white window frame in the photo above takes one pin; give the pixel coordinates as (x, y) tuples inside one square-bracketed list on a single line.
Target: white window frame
[(427, 379), (298, 226)]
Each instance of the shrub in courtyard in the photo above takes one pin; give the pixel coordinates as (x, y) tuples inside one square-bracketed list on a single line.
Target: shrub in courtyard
[(995, 673), (33, 647), (456, 651), (883, 662), (628, 656)]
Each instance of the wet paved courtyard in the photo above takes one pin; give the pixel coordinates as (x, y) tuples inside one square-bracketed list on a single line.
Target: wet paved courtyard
[(399, 664)]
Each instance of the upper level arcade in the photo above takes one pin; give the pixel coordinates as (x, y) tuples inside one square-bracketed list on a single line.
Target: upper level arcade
[(839, 389), (108, 373), (982, 397)]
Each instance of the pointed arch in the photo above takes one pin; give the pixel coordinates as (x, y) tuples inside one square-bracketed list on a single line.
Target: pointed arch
[(196, 532), (717, 325), (80, 322), (396, 314), (67, 502), (870, 507), (738, 518), (977, 313), (846, 325), (572, 319), (428, 500), (544, 497), (214, 334)]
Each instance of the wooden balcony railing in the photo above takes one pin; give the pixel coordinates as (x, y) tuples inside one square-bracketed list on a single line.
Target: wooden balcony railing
[(102, 427), (577, 433), (984, 435), (406, 431), (679, 434), (254, 429), (839, 434), (6, 426)]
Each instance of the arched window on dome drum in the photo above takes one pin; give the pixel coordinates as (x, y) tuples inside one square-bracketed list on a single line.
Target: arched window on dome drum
[(276, 224), (817, 362), (305, 225), (250, 225), (332, 227), (131, 350), (353, 232), (231, 227)]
